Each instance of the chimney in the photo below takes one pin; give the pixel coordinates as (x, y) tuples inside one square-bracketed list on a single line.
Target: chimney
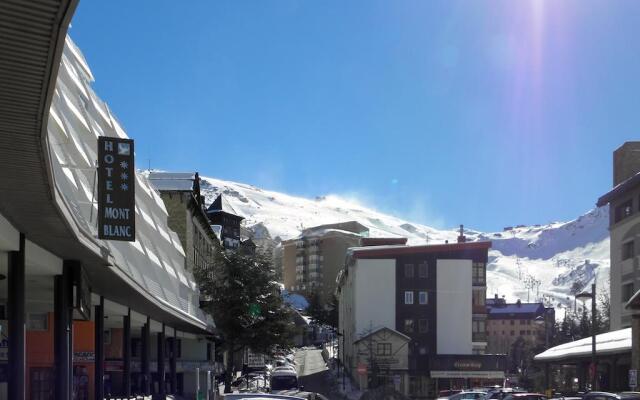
[(462, 238), (626, 162), (496, 297), (518, 303)]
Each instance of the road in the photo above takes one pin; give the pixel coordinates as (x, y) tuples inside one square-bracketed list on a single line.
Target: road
[(313, 372)]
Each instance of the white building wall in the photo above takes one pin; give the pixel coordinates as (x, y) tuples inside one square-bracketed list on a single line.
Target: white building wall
[(375, 295), (454, 296)]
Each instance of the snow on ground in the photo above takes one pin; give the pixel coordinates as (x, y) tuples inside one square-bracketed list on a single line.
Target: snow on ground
[(526, 262)]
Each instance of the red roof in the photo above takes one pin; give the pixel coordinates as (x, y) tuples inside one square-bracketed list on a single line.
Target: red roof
[(391, 251)]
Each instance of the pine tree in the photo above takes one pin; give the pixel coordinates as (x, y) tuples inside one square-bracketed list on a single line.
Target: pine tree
[(245, 301)]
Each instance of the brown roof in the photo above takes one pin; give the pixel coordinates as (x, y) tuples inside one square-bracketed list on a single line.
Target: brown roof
[(392, 251), (621, 189)]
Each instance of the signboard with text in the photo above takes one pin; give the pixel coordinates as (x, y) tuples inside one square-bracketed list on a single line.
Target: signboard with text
[(116, 184)]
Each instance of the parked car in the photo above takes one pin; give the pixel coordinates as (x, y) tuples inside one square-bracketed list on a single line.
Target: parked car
[(445, 394), (611, 396), (524, 396), (283, 379), (470, 395), (499, 393)]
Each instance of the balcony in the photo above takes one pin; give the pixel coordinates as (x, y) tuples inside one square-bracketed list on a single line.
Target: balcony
[(479, 336)]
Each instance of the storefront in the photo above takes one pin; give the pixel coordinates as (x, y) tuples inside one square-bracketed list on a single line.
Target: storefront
[(466, 371)]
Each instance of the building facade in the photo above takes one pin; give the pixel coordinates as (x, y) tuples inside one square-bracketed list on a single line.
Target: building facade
[(65, 288), (624, 230), (506, 322), (180, 193), (413, 290)]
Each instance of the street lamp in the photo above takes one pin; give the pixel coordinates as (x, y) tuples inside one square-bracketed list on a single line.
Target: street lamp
[(584, 296), (542, 320)]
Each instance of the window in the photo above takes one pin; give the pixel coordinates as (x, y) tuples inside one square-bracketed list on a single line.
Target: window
[(628, 250), (478, 297), (479, 326), (478, 273), (423, 298), (522, 322), (408, 326), (627, 291), (521, 333), (423, 325), (623, 211), (512, 333), (384, 349), (423, 271), (512, 322), (408, 270), (408, 297)]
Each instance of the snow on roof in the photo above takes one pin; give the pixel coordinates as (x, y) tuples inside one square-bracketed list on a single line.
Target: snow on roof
[(619, 189), (222, 204), (323, 232), (606, 343), (174, 181)]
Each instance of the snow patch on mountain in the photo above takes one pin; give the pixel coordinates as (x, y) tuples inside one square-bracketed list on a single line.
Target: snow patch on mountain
[(540, 262)]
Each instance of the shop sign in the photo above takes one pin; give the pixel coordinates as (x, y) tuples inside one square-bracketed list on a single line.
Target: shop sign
[(467, 365), (255, 360), (633, 378), (84, 356), (468, 374), (362, 369), (116, 184)]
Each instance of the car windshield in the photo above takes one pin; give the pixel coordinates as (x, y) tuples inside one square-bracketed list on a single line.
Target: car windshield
[(284, 382)]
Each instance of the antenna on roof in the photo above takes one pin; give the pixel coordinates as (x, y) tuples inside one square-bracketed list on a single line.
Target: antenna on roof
[(149, 161)]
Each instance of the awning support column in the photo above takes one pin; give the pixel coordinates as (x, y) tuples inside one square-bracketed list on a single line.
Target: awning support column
[(16, 313), (146, 375), (126, 354), (63, 329), (172, 362), (99, 351), (162, 389)]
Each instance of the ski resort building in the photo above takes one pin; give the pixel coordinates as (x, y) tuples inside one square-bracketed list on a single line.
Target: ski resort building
[(311, 261), (428, 299), (624, 227), (79, 312), (225, 219), (507, 322)]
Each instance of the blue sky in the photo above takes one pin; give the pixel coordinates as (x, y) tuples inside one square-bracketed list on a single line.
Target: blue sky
[(487, 113)]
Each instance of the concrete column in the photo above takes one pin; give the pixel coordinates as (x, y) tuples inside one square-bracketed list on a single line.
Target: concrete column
[(162, 392), (172, 362), (17, 325), (126, 354), (63, 329), (146, 374), (99, 350)]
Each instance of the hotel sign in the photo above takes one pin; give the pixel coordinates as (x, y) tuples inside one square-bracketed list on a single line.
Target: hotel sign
[(116, 195)]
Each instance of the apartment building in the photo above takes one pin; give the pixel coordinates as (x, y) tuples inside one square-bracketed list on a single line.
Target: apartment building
[(506, 322), (429, 299), (311, 262), (624, 228)]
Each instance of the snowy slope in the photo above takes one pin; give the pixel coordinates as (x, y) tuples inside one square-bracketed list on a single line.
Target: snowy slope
[(529, 262)]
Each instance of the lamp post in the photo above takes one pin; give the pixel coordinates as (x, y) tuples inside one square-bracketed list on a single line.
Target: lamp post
[(592, 296), (543, 320)]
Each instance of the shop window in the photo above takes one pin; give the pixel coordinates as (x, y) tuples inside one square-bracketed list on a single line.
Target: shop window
[(409, 326), (408, 270), (423, 271), (42, 383), (383, 349), (408, 297), (623, 211), (423, 298), (627, 291), (628, 250)]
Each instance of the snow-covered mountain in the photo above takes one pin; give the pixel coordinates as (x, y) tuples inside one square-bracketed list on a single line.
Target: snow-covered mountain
[(526, 262)]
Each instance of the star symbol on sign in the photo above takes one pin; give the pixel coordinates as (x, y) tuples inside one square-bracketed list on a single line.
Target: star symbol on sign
[(124, 164), (124, 186), (124, 176)]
